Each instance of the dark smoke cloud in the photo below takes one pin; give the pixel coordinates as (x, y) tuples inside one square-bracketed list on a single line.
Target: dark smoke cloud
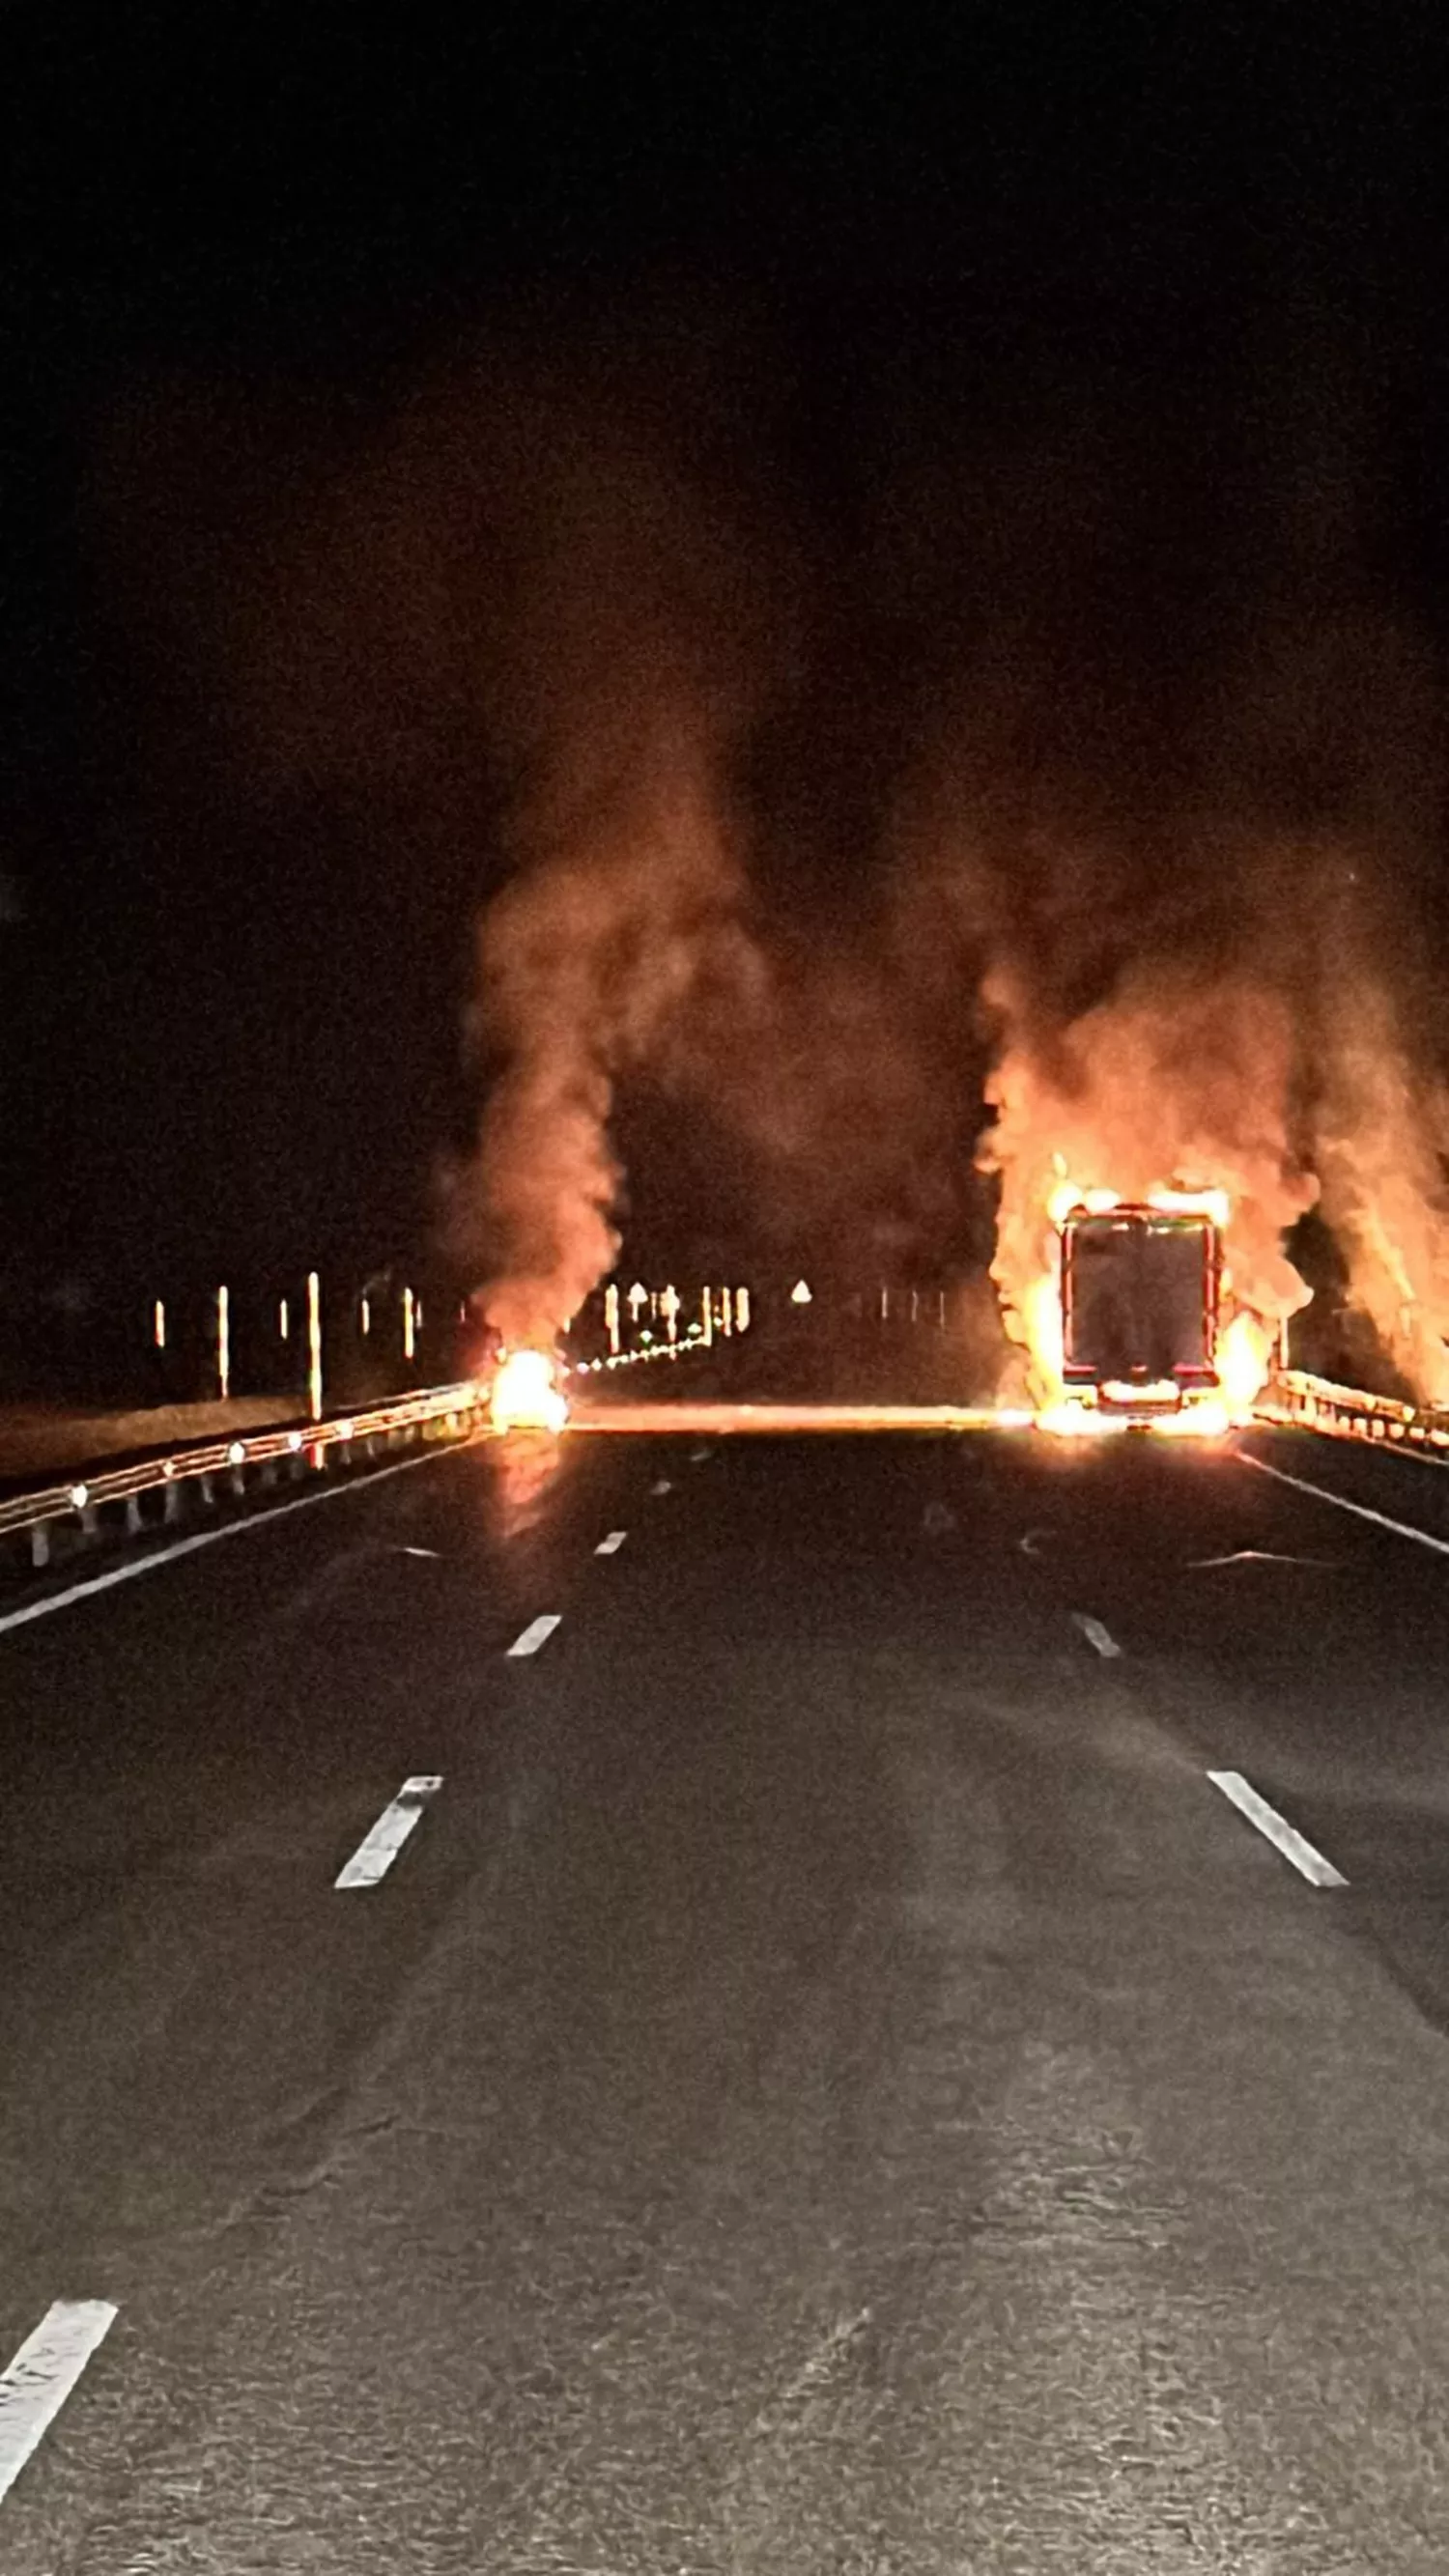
[(1180, 847), (1087, 753)]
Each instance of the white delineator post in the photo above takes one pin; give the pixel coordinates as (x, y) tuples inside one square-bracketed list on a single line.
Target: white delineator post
[(314, 1346), (223, 1342), (410, 1342)]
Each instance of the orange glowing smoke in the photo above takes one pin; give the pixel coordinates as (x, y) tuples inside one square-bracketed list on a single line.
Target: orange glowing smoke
[(526, 1394)]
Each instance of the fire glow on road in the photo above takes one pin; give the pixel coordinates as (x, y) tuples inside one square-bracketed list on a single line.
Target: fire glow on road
[(722, 1419)]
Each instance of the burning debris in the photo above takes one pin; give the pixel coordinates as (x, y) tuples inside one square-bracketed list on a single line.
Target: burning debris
[(526, 1394)]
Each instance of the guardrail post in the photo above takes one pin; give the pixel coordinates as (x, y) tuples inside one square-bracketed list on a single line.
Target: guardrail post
[(40, 1544), (171, 1504), (134, 1523)]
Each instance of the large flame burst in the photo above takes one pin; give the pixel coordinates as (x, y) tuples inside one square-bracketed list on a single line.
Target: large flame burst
[(526, 1394)]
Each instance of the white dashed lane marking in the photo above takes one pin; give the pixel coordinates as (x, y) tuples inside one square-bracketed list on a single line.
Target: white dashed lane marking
[(1095, 1634), (611, 1545), (661, 1485), (42, 2375), (536, 1634), (378, 1850), (1318, 1871)]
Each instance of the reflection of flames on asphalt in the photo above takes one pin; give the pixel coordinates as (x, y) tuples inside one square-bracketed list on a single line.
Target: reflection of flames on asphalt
[(526, 1394)]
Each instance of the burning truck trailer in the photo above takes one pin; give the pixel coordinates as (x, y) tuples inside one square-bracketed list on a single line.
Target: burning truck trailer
[(1141, 1297)]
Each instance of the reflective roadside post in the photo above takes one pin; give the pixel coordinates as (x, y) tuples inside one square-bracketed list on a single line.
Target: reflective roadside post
[(410, 1334), (223, 1343), (669, 1309), (284, 1319), (706, 1317), (314, 1346), (611, 1317), (158, 1324)]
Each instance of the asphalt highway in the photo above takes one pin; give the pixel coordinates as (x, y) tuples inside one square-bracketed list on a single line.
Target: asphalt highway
[(818, 2064)]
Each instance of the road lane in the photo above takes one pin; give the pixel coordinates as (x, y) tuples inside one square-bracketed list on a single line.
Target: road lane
[(834, 2088)]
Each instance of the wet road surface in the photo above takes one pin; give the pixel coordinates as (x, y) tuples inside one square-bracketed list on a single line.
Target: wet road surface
[(806, 2069)]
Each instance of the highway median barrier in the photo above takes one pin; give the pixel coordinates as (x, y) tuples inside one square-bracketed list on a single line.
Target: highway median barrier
[(45, 1528)]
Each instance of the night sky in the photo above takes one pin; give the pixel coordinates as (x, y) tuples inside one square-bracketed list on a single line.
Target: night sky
[(237, 237)]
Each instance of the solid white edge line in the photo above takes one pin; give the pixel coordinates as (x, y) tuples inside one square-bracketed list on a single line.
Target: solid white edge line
[(208, 1538), (380, 1846), (42, 2375), (1361, 1511), (536, 1633), (1310, 1863), (611, 1545), (1095, 1634)]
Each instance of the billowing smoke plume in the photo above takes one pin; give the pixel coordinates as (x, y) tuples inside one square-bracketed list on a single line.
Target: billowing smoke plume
[(1189, 907), (585, 961), (620, 678), (1380, 1144), (1139, 828), (652, 929)]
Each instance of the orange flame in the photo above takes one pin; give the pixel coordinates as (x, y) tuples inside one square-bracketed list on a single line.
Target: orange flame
[(1244, 1355), (526, 1394)]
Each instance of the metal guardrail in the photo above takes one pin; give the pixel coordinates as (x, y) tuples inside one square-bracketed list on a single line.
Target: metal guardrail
[(53, 1521), (53, 1513), (1350, 1412)]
